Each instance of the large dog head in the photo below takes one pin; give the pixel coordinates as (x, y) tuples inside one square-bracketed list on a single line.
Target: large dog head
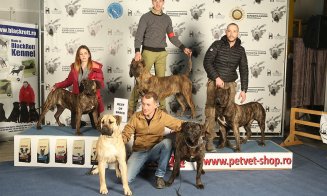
[(136, 68), (194, 136), (109, 125), (222, 96), (89, 87)]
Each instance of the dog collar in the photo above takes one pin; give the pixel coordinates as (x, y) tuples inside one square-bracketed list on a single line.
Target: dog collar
[(200, 141)]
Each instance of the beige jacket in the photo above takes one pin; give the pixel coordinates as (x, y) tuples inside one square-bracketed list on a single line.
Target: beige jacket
[(146, 136)]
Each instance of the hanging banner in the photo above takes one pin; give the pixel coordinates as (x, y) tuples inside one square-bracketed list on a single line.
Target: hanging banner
[(108, 28), (18, 77)]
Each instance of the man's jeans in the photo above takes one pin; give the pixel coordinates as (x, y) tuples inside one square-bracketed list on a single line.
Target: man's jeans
[(161, 152)]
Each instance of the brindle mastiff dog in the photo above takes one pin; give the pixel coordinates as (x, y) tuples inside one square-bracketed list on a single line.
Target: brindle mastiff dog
[(111, 149), (232, 116), (83, 103), (190, 146), (179, 85)]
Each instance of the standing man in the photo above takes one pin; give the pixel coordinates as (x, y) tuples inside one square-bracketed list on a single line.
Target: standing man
[(151, 35), (221, 61), (149, 144)]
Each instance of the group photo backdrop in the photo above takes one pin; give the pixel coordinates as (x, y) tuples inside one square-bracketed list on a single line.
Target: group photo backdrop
[(108, 29)]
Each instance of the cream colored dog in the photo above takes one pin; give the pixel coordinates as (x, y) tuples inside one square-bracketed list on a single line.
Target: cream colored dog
[(111, 149)]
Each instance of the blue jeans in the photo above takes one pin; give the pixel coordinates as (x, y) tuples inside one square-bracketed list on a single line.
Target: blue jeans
[(161, 152)]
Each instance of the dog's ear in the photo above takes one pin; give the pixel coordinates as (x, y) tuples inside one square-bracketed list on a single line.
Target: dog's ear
[(98, 84), (99, 122), (118, 119), (142, 62)]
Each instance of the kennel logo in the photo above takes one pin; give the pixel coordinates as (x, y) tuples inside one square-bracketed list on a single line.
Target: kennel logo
[(276, 36), (52, 49), (197, 11), (256, 15), (132, 29), (278, 13), (177, 67), (196, 34), (237, 13), (273, 109), (72, 8), (71, 46), (255, 52), (115, 46), (257, 32), (196, 85), (136, 13), (52, 65), (47, 10), (275, 73), (216, 16), (218, 31), (272, 123), (274, 87), (276, 50), (52, 27), (114, 84), (115, 10), (179, 29), (94, 27), (256, 69)]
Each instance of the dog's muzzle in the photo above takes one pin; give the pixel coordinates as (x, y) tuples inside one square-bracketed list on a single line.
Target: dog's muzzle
[(106, 131)]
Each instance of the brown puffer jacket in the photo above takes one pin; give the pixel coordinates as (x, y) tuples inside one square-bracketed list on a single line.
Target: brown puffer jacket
[(146, 136)]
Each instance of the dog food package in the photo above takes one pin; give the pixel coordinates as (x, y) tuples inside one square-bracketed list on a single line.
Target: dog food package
[(61, 151), (94, 160), (43, 154), (25, 150), (78, 152)]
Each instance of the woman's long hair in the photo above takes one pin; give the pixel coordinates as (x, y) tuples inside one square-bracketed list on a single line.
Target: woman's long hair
[(77, 64)]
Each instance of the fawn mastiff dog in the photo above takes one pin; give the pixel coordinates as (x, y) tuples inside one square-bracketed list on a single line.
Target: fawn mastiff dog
[(232, 116), (190, 146), (179, 85), (111, 149), (83, 103)]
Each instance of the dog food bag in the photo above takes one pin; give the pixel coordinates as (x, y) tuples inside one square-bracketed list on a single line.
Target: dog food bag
[(61, 151), (94, 160), (78, 152), (25, 150), (43, 154)]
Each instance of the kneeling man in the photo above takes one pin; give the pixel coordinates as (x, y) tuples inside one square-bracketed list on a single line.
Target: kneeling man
[(150, 144)]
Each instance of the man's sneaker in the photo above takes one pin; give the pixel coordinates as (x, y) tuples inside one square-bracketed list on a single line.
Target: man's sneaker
[(210, 147), (160, 183)]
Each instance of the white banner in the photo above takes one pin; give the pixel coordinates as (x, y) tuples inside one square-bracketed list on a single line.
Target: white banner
[(19, 65), (108, 29)]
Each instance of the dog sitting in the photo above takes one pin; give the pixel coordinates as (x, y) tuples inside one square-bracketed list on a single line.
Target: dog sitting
[(2, 114), (232, 116), (190, 146), (111, 149), (14, 115), (179, 85), (23, 112), (33, 115), (83, 103)]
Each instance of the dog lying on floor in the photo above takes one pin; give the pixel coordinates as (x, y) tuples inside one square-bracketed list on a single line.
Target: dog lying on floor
[(190, 146), (83, 103), (179, 85), (111, 149), (232, 116)]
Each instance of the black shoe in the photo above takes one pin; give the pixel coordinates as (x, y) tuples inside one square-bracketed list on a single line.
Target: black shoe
[(160, 183)]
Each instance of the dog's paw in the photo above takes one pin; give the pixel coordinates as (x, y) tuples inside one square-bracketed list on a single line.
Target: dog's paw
[(243, 141), (95, 171), (118, 174), (62, 125), (103, 190), (38, 127), (200, 186), (127, 192)]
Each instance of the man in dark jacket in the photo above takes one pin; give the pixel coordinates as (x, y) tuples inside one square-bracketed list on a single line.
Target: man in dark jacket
[(221, 61)]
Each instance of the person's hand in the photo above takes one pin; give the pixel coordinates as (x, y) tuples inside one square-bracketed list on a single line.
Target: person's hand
[(138, 56), (188, 52), (53, 88), (219, 83), (242, 96)]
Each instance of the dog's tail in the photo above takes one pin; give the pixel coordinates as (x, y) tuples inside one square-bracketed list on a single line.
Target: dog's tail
[(189, 66)]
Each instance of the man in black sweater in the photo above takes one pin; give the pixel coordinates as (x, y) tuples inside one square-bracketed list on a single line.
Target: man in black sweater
[(221, 61)]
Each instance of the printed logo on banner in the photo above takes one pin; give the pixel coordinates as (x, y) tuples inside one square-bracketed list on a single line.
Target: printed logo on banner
[(55, 10), (256, 69), (52, 27), (258, 31), (132, 29), (274, 87), (237, 13), (218, 15), (115, 46), (218, 31), (197, 11), (5, 88), (136, 13), (72, 8), (116, 32), (92, 11), (197, 48), (276, 51), (256, 15), (255, 53), (114, 84), (196, 85), (179, 29), (273, 109), (71, 46), (278, 13), (3, 63), (273, 122), (52, 65), (94, 27), (115, 10)]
